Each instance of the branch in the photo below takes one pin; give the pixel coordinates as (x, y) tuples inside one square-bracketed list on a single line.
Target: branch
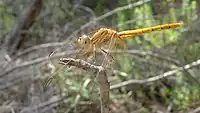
[(6, 109), (158, 77), (149, 53), (197, 110), (34, 62), (158, 56), (24, 23), (37, 47), (102, 79)]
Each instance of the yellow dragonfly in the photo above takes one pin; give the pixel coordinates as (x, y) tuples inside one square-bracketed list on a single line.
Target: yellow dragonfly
[(91, 44)]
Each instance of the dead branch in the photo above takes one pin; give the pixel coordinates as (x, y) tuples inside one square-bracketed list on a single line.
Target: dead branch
[(158, 56), (149, 53), (158, 77), (24, 23), (101, 78), (6, 109), (37, 47), (197, 110), (34, 62)]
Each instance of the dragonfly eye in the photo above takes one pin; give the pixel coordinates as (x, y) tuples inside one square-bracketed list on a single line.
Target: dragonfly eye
[(79, 40)]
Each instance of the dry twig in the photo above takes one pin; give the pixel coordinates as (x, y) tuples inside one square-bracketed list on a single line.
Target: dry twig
[(197, 110), (33, 62), (149, 53), (101, 78), (158, 77)]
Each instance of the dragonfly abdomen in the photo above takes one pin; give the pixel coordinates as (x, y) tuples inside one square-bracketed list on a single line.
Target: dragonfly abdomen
[(131, 33)]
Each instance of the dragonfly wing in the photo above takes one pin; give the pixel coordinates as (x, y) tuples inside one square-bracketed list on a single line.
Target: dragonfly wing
[(120, 43), (99, 37)]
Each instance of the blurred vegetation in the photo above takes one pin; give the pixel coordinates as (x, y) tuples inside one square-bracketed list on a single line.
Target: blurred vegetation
[(59, 19)]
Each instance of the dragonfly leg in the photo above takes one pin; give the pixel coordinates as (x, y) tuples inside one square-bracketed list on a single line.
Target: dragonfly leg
[(78, 53), (107, 55), (94, 51)]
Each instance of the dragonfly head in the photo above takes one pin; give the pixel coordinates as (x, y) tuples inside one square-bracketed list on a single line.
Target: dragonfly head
[(83, 41)]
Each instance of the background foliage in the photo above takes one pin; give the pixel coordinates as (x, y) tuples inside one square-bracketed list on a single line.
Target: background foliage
[(75, 90)]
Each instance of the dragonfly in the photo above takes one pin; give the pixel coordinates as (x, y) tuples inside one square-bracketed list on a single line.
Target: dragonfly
[(90, 44)]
